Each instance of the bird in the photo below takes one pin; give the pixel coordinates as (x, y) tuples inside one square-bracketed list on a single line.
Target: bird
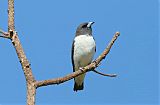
[(83, 50)]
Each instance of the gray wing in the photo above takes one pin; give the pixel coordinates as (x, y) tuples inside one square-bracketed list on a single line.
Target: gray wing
[(72, 56), (95, 45)]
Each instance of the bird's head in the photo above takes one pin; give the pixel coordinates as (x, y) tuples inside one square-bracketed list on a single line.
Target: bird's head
[(84, 28)]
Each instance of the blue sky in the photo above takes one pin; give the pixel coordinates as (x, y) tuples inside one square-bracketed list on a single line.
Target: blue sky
[(46, 30)]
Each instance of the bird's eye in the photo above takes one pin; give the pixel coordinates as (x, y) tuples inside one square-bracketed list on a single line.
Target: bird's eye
[(84, 26)]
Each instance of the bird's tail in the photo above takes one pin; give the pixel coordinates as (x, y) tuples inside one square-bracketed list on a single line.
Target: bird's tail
[(78, 87)]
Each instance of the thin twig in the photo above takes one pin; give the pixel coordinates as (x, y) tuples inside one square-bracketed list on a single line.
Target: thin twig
[(4, 34), (7, 37), (107, 50), (109, 75)]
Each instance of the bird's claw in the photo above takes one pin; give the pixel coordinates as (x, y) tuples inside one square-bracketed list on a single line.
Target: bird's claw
[(96, 63)]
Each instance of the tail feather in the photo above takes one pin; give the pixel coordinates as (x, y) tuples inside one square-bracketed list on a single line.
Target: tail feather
[(78, 87)]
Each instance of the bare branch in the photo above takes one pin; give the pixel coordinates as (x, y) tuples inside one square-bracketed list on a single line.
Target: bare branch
[(7, 37), (11, 15), (109, 75), (107, 50), (31, 89), (30, 81), (91, 66), (61, 79), (4, 34)]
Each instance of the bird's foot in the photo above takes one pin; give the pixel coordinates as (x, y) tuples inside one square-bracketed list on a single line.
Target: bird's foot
[(96, 63)]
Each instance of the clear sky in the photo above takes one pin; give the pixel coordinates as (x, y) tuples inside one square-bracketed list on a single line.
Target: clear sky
[(46, 29)]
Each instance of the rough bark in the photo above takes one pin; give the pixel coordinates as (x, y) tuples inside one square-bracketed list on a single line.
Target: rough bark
[(30, 81), (11, 15)]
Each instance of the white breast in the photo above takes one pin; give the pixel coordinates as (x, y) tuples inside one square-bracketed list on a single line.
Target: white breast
[(84, 50)]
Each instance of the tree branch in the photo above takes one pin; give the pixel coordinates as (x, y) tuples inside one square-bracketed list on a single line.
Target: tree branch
[(31, 83), (109, 75), (4, 34), (107, 50), (11, 15), (90, 67)]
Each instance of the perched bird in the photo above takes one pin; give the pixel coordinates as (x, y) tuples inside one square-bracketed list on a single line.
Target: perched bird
[(83, 50)]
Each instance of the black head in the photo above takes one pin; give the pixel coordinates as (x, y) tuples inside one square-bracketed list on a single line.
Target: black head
[(84, 28)]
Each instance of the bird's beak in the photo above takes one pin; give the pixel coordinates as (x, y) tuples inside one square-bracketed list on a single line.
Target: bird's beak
[(90, 24)]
